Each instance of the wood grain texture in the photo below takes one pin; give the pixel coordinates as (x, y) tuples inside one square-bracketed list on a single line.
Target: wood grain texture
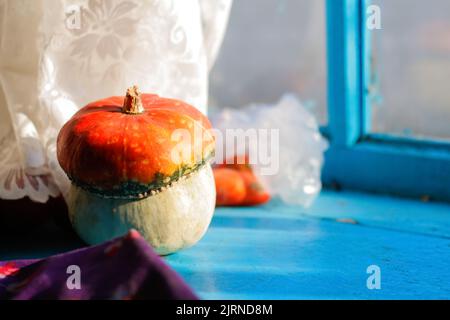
[(282, 252), (286, 252)]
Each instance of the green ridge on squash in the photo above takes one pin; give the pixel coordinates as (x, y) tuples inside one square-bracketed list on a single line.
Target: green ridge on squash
[(136, 190)]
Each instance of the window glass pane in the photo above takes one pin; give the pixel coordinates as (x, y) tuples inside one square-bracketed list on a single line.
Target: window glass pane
[(270, 48), (412, 64)]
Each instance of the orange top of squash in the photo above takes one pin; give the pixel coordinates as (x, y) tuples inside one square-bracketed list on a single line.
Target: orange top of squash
[(133, 146)]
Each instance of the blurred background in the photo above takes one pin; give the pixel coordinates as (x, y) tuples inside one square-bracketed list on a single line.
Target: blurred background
[(271, 49), (280, 46)]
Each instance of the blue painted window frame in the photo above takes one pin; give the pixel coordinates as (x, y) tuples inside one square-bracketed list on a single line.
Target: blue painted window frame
[(358, 159)]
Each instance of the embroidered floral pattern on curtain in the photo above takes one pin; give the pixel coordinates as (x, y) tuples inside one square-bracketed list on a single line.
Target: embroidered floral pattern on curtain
[(56, 56)]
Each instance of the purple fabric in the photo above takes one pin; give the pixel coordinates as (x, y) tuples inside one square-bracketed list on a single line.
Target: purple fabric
[(123, 268)]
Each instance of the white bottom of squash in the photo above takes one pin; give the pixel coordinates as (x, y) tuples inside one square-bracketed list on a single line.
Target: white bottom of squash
[(171, 220)]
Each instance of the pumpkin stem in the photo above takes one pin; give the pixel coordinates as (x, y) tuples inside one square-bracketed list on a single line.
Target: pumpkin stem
[(133, 103)]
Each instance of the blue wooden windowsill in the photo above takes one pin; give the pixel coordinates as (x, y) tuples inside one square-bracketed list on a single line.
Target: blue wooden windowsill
[(285, 252)]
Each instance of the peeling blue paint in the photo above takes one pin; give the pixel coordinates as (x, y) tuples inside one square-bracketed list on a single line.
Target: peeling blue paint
[(286, 252), (357, 158)]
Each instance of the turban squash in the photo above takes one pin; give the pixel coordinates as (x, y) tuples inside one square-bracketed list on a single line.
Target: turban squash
[(130, 169)]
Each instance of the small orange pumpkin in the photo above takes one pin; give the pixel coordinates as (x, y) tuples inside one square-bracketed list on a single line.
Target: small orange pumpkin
[(120, 155), (237, 185), (230, 187), (255, 194)]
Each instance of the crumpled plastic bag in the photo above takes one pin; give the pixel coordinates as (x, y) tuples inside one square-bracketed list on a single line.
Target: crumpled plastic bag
[(298, 149)]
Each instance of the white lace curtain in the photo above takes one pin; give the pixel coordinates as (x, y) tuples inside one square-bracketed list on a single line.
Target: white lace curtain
[(56, 56)]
